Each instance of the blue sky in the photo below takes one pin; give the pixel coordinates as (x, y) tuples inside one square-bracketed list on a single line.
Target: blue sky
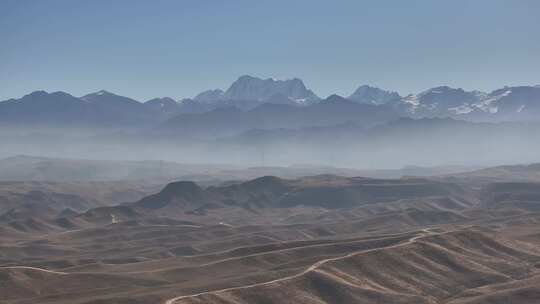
[(177, 48)]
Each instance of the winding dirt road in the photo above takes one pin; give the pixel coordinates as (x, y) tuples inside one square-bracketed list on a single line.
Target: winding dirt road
[(34, 268), (423, 233)]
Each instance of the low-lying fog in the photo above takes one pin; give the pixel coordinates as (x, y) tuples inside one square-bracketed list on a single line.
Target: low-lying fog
[(404, 143)]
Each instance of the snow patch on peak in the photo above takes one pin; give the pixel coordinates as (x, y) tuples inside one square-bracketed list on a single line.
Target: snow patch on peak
[(488, 104), (102, 92), (506, 93), (302, 101), (412, 99), (462, 109)]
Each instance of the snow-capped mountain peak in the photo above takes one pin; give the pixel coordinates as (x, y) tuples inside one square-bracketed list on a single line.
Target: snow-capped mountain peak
[(97, 95), (440, 101), (373, 95), (248, 92), (253, 88)]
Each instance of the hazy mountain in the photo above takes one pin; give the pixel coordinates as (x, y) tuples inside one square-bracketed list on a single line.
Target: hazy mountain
[(506, 173), (247, 92), (33, 168), (230, 121), (120, 109), (41, 107), (442, 101), (96, 110), (401, 142), (99, 109), (513, 103), (518, 103), (253, 88), (280, 98), (165, 105), (192, 106), (209, 96), (373, 95), (521, 103), (104, 109)]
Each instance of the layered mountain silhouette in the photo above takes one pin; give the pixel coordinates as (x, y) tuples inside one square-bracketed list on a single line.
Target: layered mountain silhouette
[(230, 121), (94, 110), (253, 102), (519, 103), (165, 106)]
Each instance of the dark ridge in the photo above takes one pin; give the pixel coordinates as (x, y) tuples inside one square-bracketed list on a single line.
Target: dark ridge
[(267, 182), (184, 191)]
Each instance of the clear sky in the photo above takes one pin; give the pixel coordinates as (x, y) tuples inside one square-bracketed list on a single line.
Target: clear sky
[(177, 48)]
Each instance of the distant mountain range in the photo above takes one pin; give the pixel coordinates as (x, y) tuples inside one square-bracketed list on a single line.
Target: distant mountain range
[(506, 104), (230, 121), (252, 102), (100, 109)]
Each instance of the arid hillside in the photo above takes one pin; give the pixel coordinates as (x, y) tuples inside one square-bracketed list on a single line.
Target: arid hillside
[(317, 239)]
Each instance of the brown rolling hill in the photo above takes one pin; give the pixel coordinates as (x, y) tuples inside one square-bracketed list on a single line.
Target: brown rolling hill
[(316, 239), (432, 269), (325, 191)]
